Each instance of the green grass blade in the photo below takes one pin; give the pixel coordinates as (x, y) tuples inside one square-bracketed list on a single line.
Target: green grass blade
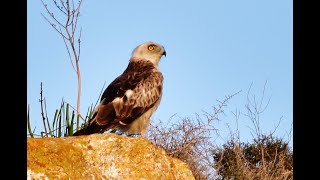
[(55, 118), (67, 121), (71, 124), (59, 126), (86, 117), (42, 136), (62, 113), (57, 121), (50, 131), (45, 108), (29, 125), (90, 113)]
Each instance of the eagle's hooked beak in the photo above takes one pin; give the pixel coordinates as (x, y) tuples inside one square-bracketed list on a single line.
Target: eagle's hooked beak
[(164, 53)]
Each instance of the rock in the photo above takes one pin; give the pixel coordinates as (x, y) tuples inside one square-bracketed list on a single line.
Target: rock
[(101, 156)]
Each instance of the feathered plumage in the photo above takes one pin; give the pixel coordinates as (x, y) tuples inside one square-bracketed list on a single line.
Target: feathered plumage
[(130, 100)]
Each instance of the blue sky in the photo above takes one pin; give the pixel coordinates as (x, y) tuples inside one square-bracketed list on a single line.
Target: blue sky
[(214, 49)]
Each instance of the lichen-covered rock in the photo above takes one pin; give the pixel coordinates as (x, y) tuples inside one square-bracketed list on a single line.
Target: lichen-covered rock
[(101, 156)]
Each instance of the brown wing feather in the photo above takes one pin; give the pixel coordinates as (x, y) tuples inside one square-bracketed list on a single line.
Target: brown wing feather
[(143, 97), (131, 94)]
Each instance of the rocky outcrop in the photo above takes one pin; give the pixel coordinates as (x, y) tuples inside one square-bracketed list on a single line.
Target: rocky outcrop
[(101, 156)]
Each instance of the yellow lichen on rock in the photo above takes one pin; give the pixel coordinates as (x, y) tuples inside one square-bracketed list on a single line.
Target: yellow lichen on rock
[(101, 156)]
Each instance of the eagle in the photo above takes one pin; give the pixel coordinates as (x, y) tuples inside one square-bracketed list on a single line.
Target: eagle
[(130, 100)]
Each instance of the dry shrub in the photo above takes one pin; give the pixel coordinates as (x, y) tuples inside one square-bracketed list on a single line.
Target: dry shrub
[(187, 141), (190, 140), (267, 158)]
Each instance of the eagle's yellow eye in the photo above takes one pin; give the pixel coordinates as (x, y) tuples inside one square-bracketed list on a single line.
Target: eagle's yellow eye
[(151, 48)]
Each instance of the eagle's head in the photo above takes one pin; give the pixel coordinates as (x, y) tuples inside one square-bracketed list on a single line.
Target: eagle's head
[(149, 51)]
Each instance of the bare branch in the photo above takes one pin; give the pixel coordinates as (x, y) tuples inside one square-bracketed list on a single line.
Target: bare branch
[(54, 26), (61, 8), (263, 91), (73, 12), (267, 104), (72, 4), (189, 140), (51, 14), (67, 47), (68, 15), (255, 109), (79, 44), (69, 26), (65, 8), (77, 11), (248, 99), (42, 111), (276, 127)]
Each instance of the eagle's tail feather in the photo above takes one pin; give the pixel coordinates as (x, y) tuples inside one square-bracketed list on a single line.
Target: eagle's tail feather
[(90, 129)]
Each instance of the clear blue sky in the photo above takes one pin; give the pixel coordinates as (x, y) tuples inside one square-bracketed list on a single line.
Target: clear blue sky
[(214, 49)]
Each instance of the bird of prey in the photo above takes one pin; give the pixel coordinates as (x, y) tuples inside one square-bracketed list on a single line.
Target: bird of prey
[(129, 101)]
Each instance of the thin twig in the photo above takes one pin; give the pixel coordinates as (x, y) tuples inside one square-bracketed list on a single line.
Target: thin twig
[(54, 26), (77, 11), (60, 7), (68, 50), (79, 44), (42, 113), (51, 15), (65, 8), (73, 109)]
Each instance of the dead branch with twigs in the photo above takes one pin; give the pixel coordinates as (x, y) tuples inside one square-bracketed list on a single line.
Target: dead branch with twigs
[(67, 28), (189, 140), (255, 109)]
